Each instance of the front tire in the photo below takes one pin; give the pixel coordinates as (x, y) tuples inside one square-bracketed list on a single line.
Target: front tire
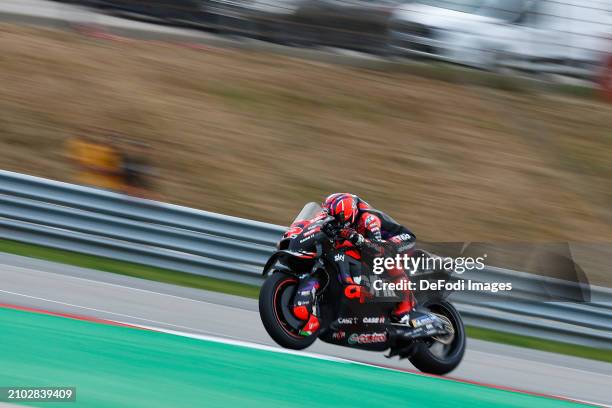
[(275, 299), (434, 357)]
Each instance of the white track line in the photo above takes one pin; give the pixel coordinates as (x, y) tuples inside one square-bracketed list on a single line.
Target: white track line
[(122, 286), (118, 314), (249, 344)]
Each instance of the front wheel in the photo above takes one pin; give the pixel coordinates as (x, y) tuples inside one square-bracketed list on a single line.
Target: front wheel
[(442, 355), (275, 300)]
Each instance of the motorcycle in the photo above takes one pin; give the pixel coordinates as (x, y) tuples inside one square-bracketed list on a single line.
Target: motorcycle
[(358, 319)]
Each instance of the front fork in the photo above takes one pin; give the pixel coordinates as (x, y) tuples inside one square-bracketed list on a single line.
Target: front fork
[(304, 301), (305, 304)]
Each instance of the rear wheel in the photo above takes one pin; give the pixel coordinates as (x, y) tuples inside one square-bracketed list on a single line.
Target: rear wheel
[(275, 299), (443, 354)]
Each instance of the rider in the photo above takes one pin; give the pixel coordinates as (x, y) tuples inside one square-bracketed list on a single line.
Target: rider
[(360, 226)]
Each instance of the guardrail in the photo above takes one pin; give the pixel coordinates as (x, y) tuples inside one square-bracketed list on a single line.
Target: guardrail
[(102, 223)]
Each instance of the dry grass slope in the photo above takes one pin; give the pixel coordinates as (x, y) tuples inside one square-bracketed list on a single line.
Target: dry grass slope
[(257, 135)]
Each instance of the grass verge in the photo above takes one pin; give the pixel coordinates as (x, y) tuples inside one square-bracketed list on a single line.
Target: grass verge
[(539, 344), (129, 269), (251, 291)]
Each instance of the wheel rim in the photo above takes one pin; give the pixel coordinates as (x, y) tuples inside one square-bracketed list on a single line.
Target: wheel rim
[(283, 315)]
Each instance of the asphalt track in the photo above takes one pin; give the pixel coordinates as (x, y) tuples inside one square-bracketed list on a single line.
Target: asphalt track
[(39, 284)]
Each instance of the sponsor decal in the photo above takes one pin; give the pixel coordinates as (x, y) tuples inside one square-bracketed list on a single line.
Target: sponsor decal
[(320, 216), (306, 239), (339, 335), (380, 319), (367, 338), (339, 258), (293, 232), (357, 292), (347, 320), (406, 247), (422, 321), (312, 229), (400, 238), (352, 292)]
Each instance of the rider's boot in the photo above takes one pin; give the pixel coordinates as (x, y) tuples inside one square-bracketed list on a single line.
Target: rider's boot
[(415, 319), (401, 312), (405, 314)]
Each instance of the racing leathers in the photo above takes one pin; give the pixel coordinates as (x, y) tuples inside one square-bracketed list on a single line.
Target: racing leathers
[(373, 229), (369, 232)]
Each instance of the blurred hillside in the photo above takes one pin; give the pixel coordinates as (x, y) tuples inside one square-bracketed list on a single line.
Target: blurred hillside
[(256, 136)]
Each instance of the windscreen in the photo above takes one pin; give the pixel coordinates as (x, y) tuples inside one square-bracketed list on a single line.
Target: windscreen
[(309, 211)]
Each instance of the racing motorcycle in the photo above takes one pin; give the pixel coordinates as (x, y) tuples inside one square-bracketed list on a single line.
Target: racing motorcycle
[(359, 319)]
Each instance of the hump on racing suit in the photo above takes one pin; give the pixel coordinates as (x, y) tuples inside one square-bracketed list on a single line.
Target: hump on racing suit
[(377, 223)]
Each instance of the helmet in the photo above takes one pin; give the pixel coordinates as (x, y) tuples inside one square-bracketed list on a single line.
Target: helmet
[(342, 206), (330, 200)]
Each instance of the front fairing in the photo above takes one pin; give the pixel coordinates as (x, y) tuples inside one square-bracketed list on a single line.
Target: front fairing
[(312, 212)]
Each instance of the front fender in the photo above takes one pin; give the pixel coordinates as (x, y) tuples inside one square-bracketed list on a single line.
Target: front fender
[(271, 263), (284, 252)]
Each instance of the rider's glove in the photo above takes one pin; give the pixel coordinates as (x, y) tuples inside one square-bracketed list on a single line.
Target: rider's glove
[(329, 230), (353, 236), (357, 239)]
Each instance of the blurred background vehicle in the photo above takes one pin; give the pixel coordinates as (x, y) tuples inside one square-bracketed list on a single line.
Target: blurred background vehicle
[(271, 20), (355, 24), (567, 37), (359, 24), (170, 11)]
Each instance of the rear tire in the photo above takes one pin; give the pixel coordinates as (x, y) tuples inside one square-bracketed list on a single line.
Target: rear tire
[(426, 360), (275, 312)]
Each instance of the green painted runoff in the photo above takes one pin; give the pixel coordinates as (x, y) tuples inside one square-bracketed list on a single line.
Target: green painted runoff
[(114, 366)]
